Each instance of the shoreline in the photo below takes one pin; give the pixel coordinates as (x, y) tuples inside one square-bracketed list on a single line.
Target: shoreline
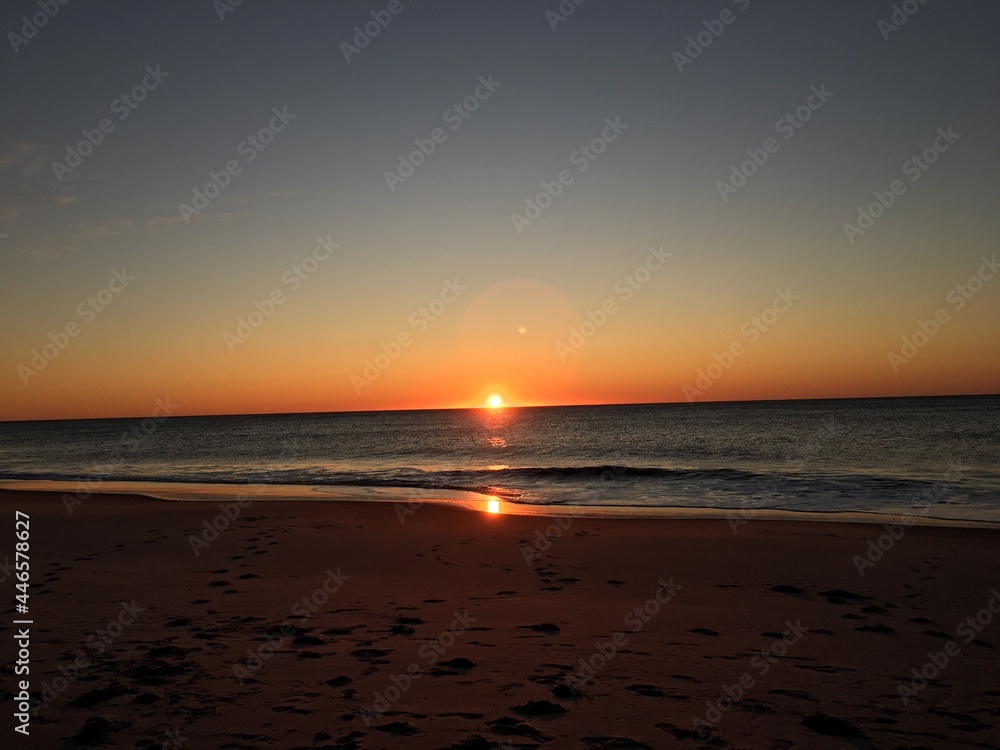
[(212, 492)]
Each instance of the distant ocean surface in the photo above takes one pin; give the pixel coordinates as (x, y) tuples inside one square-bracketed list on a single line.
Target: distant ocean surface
[(936, 457)]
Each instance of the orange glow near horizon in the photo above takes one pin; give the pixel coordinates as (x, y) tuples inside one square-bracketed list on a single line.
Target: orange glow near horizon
[(477, 354)]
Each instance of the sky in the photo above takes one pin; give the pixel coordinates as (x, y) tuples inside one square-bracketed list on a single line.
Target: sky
[(304, 206)]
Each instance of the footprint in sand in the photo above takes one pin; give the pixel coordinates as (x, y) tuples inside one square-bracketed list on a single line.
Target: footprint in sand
[(824, 668), (96, 730), (457, 666), (398, 728), (679, 733), (784, 588), (545, 627), (475, 742), (508, 726), (647, 691), (542, 709), (291, 710), (308, 640), (618, 743), (704, 631), (567, 692), (341, 631), (372, 655), (799, 694), (687, 678), (831, 726), (884, 629), (841, 597), (94, 697)]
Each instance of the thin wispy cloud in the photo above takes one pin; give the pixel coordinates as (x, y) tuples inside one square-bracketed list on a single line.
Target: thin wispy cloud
[(23, 157)]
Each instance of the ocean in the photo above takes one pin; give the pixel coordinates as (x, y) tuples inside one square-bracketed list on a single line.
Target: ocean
[(935, 457)]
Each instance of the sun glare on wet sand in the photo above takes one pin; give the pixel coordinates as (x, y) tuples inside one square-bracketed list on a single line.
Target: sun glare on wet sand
[(492, 505)]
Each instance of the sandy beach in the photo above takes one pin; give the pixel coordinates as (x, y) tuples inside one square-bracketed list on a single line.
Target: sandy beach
[(337, 625)]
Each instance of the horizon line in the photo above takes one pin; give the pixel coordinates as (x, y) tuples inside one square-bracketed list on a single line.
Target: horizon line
[(511, 406)]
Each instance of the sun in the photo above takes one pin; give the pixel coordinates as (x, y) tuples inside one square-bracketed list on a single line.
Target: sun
[(495, 401)]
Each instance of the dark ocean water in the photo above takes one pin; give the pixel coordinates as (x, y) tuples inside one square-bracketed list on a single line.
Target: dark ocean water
[(934, 456)]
